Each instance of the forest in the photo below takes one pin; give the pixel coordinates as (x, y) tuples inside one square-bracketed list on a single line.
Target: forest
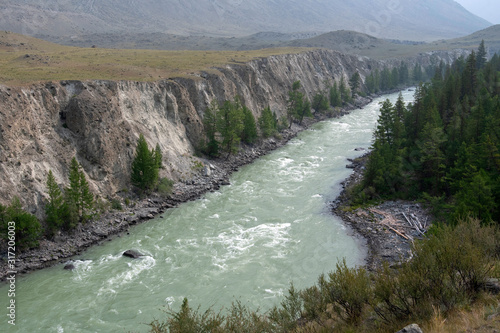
[(444, 147)]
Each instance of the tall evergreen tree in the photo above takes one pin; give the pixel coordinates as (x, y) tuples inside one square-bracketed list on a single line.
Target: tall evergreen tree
[(298, 105), (144, 166), (230, 125), (481, 56), (249, 133), (355, 83), (210, 125), (335, 99), (267, 123), (55, 208)]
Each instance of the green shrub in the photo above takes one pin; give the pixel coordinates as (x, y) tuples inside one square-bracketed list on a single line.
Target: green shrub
[(116, 204), (165, 186), (447, 271), (349, 290), (28, 229)]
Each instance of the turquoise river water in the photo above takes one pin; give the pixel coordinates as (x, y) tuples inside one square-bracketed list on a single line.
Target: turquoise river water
[(245, 242)]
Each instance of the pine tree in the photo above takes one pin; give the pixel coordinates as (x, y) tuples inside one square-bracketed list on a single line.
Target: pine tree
[(335, 99), (320, 102), (86, 199), (55, 209), (267, 123), (354, 83), (144, 166), (230, 125), (158, 156), (73, 191), (481, 56), (210, 125), (249, 134), (79, 199)]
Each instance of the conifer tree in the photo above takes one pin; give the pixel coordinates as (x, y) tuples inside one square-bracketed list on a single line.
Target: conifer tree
[(298, 105), (144, 166), (230, 125), (354, 83), (55, 209), (267, 123), (335, 99), (210, 125), (158, 156), (481, 56), (249, 133), (79, 199)]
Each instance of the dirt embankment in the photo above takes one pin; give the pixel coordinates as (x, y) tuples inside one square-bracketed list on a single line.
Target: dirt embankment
[(389, 228)]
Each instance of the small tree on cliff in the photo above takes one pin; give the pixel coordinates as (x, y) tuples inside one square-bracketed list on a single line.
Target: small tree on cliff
[(249, 133), (55, 208), (211, 148), (298, 105), (230, 125), (145, 165), (79, 199)]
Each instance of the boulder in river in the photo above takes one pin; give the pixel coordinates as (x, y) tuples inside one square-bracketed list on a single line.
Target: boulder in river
[(132, 254), (69, 266)]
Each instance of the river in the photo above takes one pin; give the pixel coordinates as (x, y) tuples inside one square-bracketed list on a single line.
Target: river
[(245, 242)]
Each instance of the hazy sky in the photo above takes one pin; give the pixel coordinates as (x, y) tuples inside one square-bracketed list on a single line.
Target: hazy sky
[(487, 9)]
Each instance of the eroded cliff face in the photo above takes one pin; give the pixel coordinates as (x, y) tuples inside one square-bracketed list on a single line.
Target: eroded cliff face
[(44, 126)]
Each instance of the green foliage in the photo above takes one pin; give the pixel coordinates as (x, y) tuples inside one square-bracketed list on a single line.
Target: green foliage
[(210, 124), (345, 93), (286, 316), (268, 123), (249, 134), (320, 102), (165, 186), (79, 200), (298, 105), (445, 145), (158, 156), (56, 209), (116, 204), (349, 289), (447, 271), (145, 166), (230, 125), (28, 229), (354, 83), (335, 99)]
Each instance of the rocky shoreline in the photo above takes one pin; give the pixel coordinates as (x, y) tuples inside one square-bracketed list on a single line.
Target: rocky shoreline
[(112, 224), (389, 228)]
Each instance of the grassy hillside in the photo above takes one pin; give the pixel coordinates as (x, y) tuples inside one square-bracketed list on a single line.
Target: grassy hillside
[(25, 59)]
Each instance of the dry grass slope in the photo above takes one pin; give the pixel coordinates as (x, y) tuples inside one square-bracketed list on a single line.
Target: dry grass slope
[(24, 60)]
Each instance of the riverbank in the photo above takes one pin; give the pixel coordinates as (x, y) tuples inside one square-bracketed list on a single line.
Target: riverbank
[(389, 228), (114, 223)]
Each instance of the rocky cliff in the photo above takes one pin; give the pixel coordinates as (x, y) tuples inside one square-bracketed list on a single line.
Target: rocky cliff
[(42, 127)]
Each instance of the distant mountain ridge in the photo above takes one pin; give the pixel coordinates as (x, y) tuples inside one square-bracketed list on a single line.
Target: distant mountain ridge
[(397, 19)]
